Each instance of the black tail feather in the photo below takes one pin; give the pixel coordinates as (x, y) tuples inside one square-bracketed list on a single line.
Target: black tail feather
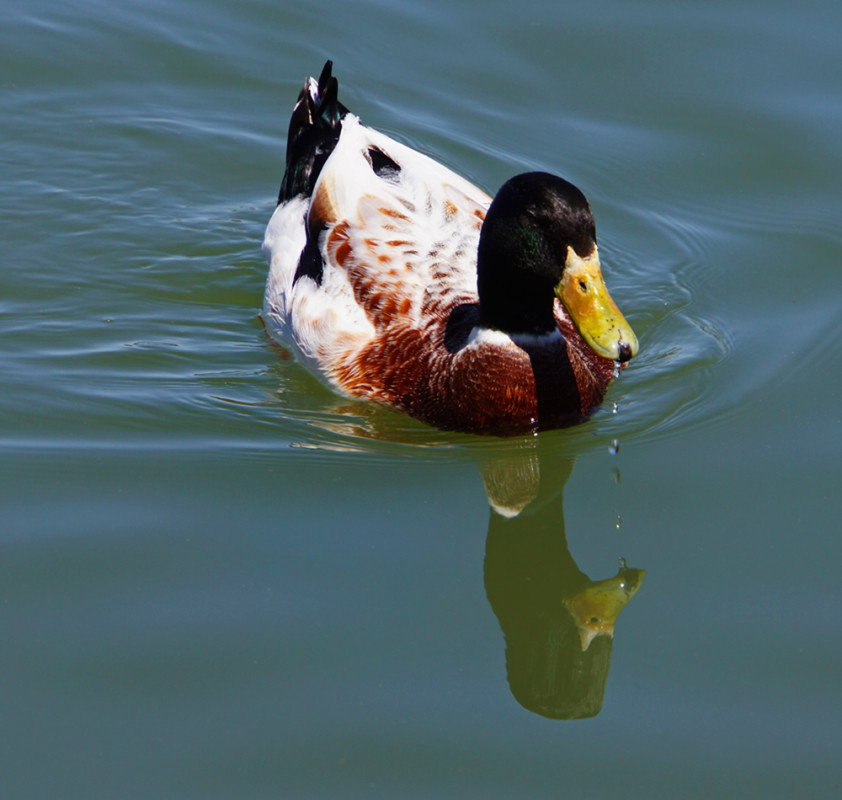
[(313, 133)]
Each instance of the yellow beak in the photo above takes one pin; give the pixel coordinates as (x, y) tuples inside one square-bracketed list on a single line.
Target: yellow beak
[(583, 294), (596, 608)]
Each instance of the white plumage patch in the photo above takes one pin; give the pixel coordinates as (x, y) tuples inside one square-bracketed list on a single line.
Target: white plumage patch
[(395, 246), (497, 338)]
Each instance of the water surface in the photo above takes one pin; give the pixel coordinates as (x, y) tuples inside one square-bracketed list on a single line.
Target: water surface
[(219, 580)]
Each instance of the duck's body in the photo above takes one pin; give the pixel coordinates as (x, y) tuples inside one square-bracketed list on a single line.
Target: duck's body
[(373, 279)]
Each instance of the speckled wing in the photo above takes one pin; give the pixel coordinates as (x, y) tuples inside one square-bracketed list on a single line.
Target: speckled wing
[(388, 240)]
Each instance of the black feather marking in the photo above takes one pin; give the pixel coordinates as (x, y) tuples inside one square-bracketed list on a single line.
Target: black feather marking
[(313, 133), (310, 263), (461, 321), (325, 75), (383, 166)]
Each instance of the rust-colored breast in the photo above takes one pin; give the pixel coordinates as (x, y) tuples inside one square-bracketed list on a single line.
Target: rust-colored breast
[(482, 388)]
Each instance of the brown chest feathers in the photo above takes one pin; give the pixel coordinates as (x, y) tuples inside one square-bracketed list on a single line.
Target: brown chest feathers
[(436, 377)]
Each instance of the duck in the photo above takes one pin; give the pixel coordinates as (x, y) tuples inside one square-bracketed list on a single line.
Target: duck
[(395, 280)]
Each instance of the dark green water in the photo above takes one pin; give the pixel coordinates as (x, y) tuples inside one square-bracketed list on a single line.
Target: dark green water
[(217, 580)]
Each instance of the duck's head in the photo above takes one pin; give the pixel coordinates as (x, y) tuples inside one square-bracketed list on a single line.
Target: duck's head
[(538, 242)]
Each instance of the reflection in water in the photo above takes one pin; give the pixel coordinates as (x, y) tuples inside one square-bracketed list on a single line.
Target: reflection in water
[(558, 623)]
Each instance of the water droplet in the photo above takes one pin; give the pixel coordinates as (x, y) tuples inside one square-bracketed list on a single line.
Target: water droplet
[(614, 407), (619, 520), (615, 475), (616, 369), (615, 447)]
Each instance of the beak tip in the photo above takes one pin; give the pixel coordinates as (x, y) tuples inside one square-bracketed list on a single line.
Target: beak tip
[(624, 352)]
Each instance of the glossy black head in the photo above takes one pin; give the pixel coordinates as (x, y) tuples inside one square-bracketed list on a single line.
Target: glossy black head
[(523, 248)]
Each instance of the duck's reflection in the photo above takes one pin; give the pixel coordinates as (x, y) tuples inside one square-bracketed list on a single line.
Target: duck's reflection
[(558, 623)]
